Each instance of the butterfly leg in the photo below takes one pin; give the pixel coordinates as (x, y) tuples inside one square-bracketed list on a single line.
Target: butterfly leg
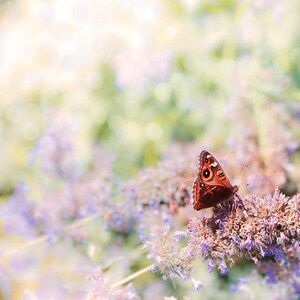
[(240, 203)]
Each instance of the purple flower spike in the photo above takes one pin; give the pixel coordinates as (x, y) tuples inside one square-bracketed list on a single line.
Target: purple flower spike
[(267, 229), (249, 245), (178, 235), (210, 268), (296, 268), (271, 277), (219, 223), (197, 284), (224, 271), (204, 247)]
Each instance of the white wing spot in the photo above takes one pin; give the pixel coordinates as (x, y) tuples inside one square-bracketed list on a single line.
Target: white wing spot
[(208, 156), (214, 164)]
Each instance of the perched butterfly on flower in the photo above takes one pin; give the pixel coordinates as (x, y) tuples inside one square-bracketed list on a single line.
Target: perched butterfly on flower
[(211, 186)]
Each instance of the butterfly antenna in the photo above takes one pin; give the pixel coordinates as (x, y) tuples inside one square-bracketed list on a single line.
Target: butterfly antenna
[(240, 199), (243, 173)]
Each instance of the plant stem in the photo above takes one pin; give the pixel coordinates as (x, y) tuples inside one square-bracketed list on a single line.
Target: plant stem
[(43, 238), (132, 276)]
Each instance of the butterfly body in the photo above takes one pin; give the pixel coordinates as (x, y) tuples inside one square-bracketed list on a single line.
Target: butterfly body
[(211, 186)]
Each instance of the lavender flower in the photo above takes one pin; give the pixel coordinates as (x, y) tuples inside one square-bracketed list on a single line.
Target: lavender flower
[(54, 150), (17, 214), (170, 260), (197, 284), (178, 235), (168, 185), (103, 291), (252, 235)]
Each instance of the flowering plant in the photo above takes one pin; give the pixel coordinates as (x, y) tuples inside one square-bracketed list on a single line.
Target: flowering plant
[(104, 109)]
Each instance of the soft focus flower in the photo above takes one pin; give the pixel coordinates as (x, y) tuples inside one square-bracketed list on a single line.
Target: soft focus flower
[(103, 291), (105, 90), (17, 214), (170, 260), (137, 68), (28, 295), (253, 142), (54, 149), (197, 284)]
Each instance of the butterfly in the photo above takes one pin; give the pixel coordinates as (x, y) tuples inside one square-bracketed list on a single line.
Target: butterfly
[(211, 186)]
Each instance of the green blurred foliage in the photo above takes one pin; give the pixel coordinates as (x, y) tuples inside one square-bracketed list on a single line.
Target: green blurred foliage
[(216, 43)]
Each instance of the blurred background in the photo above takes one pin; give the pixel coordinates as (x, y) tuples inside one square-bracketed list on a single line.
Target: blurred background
[(139, 79)]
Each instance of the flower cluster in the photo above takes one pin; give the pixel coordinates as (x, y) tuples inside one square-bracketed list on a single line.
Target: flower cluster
[(170, 259), (132, 79), (266, 232), (245, 286), (102, 290), (54, 150), (168, 183), (88, 196), (65, 191), (17, 214), (267, 228)]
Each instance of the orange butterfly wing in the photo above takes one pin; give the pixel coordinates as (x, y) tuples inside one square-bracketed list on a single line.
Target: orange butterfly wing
[(212, 185)]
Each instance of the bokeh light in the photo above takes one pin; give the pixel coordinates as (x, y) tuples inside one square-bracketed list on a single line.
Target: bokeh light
[(104, 107)]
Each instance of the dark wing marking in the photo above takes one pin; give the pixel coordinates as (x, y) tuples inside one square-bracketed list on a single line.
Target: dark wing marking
[(210, 195)]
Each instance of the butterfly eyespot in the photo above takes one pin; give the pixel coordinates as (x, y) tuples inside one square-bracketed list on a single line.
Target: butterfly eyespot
[(206, 160), (202, 184), (206, 173)]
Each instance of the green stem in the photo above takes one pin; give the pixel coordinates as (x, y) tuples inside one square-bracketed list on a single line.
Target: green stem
[(42, 239), (132, 276)]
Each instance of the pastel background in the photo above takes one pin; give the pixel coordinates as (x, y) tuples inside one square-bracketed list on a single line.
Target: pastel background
[(104, 107)]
